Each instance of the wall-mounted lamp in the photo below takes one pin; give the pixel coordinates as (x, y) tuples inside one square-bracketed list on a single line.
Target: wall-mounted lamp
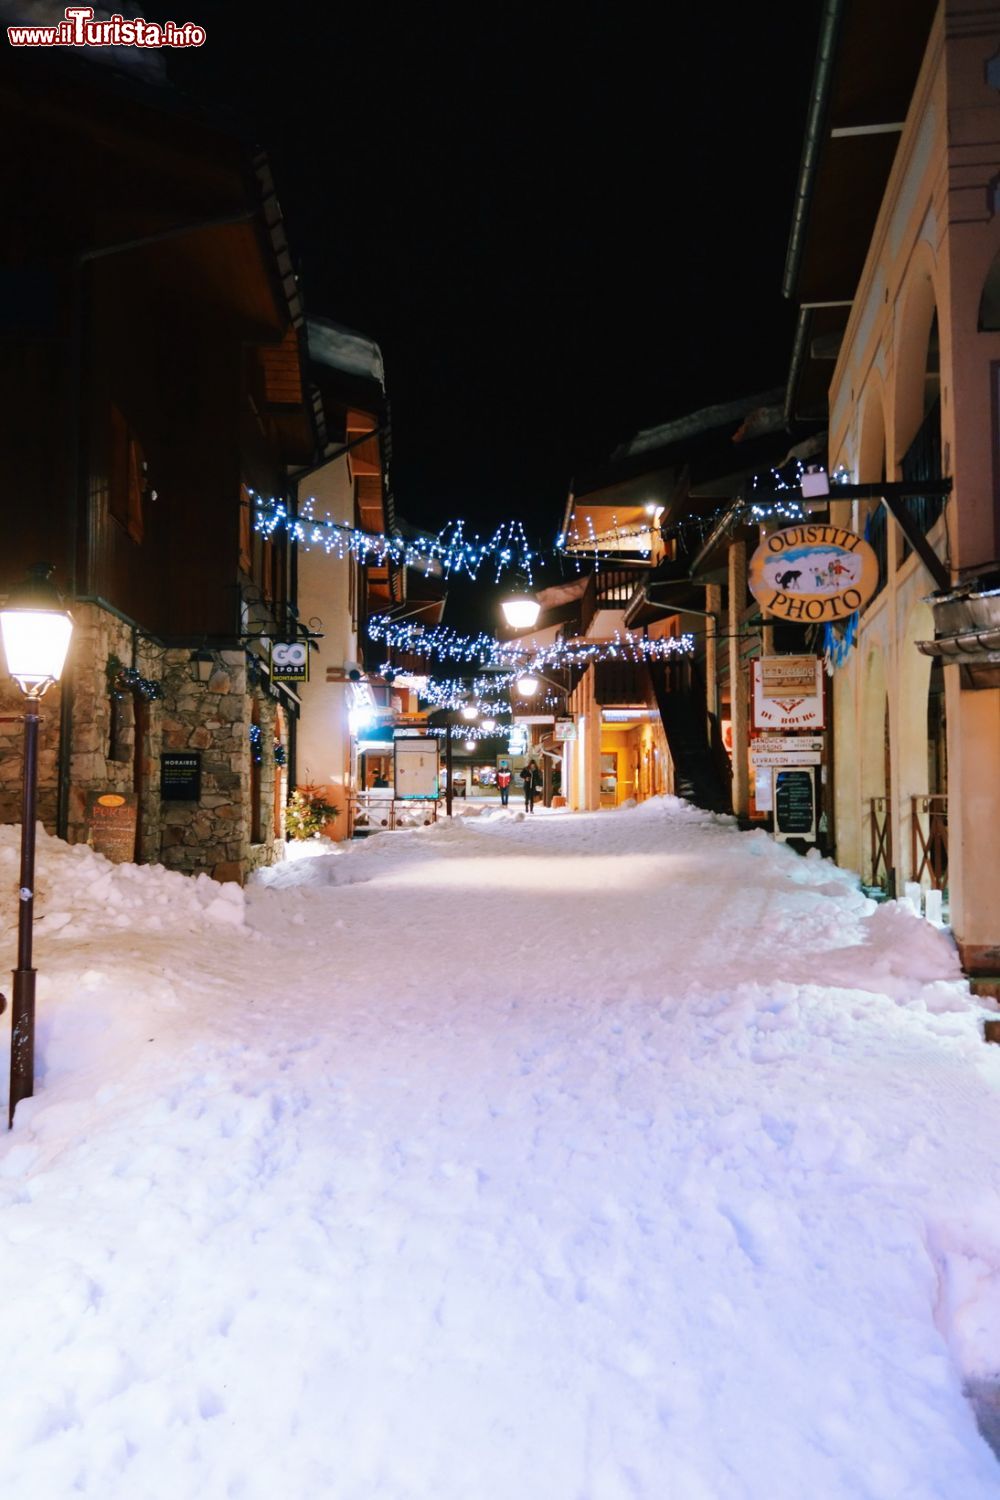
[(203, 662)]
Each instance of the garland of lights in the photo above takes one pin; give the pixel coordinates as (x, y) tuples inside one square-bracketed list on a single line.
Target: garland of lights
[(450, 645), (256, 745), (508, 547), (124, 680)]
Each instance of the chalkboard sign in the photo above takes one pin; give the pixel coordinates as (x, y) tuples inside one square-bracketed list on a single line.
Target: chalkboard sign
[(180, 775), (795, 803)]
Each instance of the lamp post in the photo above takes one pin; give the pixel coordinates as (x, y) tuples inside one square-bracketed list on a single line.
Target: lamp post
[(36, 632)]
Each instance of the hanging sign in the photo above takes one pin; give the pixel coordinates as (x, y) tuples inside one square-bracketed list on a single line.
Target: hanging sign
[(795, 803), (784, 757), (565, 729), (788, 692), (111, 820), (290, 661), (813, 574)]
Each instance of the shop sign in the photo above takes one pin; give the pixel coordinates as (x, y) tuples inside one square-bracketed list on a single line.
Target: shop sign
[(290, 661), (813, 574), (787, 742), (111, 821), (180, 776), (517, 740), (788, 692), (795, 803), (565, 729), (785, 757)]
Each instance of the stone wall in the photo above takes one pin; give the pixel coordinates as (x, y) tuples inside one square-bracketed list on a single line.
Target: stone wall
[(12, 705), (213, 835)]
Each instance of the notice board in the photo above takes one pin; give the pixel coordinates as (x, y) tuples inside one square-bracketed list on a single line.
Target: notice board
[(417, 767)]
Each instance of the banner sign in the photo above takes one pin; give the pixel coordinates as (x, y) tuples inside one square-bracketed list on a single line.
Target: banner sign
[(788, 692), (290, 661), (813, 574), (565, 729)]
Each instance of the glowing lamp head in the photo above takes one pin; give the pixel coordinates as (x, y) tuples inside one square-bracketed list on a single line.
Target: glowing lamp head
[(470, 745), (488, 726), (520, 611), (527, 686), (36, 632), (469, 711)]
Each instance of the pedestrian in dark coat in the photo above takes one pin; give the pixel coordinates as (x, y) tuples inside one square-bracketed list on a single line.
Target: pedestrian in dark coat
[(531, 777)]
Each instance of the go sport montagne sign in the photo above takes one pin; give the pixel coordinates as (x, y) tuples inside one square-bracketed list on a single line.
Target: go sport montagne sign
[(813, 574)]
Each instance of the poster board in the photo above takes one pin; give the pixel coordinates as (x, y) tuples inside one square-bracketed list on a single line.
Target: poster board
[(417, 768)]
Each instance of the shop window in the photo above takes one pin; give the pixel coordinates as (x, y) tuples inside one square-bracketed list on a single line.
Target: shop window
[(127, 477)]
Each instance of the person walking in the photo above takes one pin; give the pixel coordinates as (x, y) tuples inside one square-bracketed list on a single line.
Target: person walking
[(531, 776), (503, 782)]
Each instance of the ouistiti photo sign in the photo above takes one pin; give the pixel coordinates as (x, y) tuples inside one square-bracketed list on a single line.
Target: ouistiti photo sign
[(813, 574)]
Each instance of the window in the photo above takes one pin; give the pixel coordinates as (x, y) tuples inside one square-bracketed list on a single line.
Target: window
[(127, 476)]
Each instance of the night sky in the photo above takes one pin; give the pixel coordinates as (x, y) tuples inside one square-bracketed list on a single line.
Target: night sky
[(561, 222)]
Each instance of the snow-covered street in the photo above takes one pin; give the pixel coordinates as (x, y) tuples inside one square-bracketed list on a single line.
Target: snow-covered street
[(617, 1156)]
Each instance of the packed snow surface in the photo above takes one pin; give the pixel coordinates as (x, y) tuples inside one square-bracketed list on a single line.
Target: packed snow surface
[(577, 1157)]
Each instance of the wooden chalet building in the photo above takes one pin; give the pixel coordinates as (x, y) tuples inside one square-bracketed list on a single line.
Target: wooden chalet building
[(151, 355)]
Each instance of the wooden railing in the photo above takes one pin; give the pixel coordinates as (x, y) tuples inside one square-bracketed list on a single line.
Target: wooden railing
[(880, 829), (373, 812), (929, 839)]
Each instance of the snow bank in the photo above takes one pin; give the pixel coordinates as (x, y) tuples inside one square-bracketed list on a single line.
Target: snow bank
[(599, 1157), (76, 889)]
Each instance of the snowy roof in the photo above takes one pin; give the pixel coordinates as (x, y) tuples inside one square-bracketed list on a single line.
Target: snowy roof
[(146, 63), (344, 349), (762, 413)]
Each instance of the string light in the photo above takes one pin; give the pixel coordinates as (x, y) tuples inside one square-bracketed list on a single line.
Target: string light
[(453, 552), (447, 644)]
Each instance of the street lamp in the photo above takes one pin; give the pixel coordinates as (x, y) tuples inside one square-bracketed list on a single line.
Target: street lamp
[(520, 609), (36, 632), (469, 711), (527, 686)]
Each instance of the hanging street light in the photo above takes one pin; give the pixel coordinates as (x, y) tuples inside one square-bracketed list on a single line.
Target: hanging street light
[(527, 686), (36, 632), (520, 608), (488, 726), (469, 711)]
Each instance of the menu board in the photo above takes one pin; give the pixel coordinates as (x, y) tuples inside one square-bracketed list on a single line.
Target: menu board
[(180, 775), (795, 803), (111, 822)]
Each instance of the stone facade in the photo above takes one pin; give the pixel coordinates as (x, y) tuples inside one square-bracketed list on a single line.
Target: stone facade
[(231, 830)]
